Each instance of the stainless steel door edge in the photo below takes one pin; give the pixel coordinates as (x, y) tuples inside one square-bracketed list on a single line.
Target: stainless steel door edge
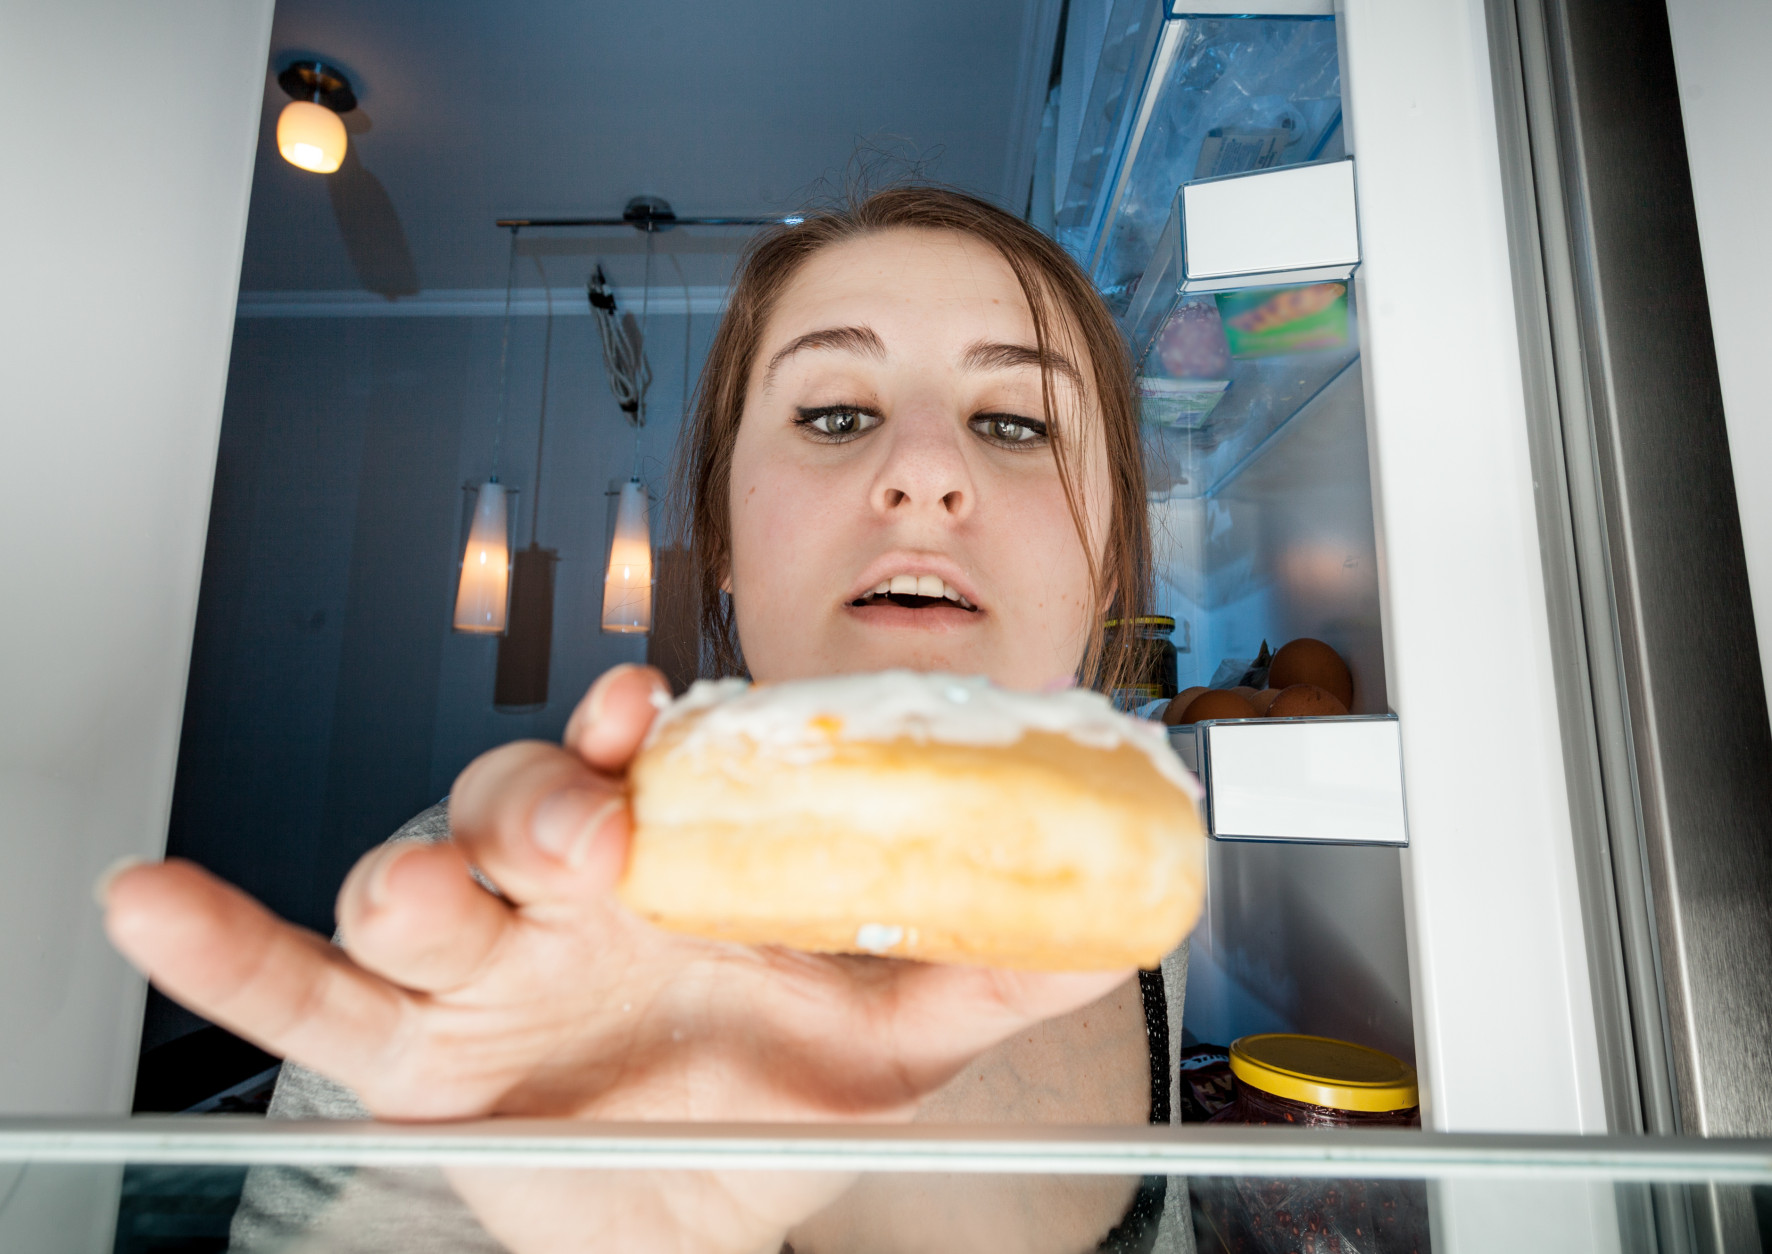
[(1608, 844), (1661, 685)]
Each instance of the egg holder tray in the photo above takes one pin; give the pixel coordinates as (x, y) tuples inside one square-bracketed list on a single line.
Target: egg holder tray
[(1303, 780)]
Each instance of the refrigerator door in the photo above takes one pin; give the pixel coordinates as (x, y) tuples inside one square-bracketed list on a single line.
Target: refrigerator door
[(1503, 995), (1432, 584)]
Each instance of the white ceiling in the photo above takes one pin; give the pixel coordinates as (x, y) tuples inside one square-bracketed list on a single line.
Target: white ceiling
[(472, 111)]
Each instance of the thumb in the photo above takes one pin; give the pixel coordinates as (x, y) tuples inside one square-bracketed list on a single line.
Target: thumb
[(607, 727)]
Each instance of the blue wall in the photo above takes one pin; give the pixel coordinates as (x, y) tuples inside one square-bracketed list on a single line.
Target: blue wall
[(328, 699)]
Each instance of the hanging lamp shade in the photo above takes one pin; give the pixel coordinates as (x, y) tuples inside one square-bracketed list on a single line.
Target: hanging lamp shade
[(627, 583), (311, 136), (481, 597)]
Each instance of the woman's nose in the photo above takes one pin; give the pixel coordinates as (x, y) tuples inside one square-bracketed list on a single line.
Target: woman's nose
[(925, 467)]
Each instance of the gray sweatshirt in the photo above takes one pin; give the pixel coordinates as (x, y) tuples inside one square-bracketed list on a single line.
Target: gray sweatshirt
[(342, 1210)]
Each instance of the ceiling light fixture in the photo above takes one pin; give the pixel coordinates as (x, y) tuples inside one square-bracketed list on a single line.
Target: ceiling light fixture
[(627, 577), (309, 133), (482, 594), (628, 572)]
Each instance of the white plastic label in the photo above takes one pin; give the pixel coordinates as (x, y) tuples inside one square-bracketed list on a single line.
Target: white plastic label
[(1268, 224), (1321, 780)]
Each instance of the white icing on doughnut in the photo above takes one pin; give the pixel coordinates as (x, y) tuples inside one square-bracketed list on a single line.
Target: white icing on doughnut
[(909, 705), (878, 937)]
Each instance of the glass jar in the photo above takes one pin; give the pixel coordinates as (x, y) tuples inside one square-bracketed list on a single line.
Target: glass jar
[(1153, 672), (1314, 1081), (1283, 1077)]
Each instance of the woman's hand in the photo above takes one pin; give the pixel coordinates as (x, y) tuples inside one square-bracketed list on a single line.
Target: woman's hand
[(446, 1001)]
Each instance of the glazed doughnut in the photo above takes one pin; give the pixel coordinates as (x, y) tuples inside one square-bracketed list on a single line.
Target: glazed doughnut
[(917, 815)]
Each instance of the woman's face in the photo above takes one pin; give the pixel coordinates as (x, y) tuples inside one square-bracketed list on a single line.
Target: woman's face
[(893, 437)]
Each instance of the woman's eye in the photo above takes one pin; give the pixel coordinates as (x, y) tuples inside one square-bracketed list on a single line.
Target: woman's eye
[(1009, 430), (836, 422)]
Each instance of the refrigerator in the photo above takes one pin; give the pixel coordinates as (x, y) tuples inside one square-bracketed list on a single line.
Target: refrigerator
[(1492, 473), (1504, 497)]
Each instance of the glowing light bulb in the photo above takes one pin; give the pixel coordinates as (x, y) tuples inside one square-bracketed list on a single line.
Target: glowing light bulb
[(311, 136), (627, 595), (482, 594)]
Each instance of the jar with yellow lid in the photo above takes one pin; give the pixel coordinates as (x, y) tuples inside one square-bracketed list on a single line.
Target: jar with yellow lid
[(1283, 1077), (1314, 1081), (1152, 672)]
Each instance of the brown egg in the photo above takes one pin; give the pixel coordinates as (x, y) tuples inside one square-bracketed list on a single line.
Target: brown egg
[(1305, 701), (1245, 692), (1307, 661), (1178, 706), (1217, 703), (1263, 699)]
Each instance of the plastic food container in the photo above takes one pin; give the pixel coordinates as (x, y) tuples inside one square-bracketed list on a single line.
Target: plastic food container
[(1317, 1082)]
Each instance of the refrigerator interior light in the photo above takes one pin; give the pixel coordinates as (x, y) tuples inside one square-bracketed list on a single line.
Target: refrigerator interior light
[(481, 597), (627, 582)]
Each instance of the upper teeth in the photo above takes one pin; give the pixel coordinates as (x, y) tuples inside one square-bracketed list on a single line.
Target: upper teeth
[(920, 586)]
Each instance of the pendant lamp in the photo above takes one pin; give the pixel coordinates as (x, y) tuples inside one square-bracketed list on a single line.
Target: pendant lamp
[(481, 596), (482, 593), (627, 583), (627, 579)]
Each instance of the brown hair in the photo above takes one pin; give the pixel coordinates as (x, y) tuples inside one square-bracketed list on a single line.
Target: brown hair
[(1046, 275)]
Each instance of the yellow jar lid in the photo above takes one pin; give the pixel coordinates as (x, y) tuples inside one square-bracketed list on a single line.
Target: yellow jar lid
[(1324, 1072)]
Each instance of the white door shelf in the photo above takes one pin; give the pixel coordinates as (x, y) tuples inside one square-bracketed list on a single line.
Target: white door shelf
[(1305, 780)]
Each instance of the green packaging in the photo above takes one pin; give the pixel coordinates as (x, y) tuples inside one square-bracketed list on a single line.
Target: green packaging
[(1183, 403), (1268, 321)]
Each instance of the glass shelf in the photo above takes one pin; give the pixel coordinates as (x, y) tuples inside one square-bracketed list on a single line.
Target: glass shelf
[(151, 1183), (1193, 454), (1175, 98), (1181, 98), (1038, 1149)]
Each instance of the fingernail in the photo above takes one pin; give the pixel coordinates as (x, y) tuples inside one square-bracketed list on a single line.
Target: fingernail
[(600, 690), (376, 886), (101, 887), (566, 824)]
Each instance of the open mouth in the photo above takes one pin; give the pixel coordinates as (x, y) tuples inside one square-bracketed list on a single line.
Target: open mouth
[(914, 592)]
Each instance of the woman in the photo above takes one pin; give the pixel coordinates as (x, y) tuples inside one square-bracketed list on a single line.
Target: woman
[(921, 385)]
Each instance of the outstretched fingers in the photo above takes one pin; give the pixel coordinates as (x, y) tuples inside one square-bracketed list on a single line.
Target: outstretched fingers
[(413, 914), (541, 824), (550, 823), (217, 951), (941, 1016)]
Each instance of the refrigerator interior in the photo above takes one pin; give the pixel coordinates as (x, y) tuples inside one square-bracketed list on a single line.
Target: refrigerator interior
[(1295, 937), (1260, 494)]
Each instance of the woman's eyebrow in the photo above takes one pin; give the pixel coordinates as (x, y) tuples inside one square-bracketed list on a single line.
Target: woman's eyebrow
[(986, 355), (863, 340)]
